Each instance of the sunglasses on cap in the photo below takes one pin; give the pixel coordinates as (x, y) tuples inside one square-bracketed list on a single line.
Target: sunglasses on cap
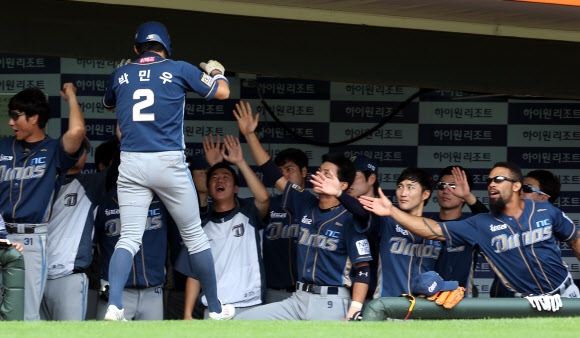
[(442, 185), (498, 179), (15, 115), (528, 189)]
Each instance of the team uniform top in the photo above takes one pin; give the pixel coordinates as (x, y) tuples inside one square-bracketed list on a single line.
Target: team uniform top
[(29, 180), (402, 256), (71, 226), (530, 258), (148, 268), (457, 263), (153, 120), (329, 247), (279, 246), (235, 245)]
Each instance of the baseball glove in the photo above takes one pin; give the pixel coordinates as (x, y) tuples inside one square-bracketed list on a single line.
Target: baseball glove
[(212, 65), (454, 297), (440, 300)]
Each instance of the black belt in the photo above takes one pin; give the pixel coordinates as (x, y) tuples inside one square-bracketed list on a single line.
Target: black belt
[(13, 229), (317, 289)]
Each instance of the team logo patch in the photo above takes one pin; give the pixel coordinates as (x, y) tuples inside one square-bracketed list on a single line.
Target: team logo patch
[(494, 228), (238, 230), (363, 247), (297, 187), (207, 80)]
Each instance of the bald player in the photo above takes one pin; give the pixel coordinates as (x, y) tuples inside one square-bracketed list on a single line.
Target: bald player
[(33, 166), (517, 238)]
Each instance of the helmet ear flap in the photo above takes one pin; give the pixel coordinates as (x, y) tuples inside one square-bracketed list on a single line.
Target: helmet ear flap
[(154, 31)]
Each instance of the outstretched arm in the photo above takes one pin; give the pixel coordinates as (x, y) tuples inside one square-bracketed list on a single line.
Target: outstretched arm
[(420, 226), (73, 137), (248, 124), (234, 155)]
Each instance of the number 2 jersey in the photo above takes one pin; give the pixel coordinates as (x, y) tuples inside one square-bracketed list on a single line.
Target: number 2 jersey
[(148, 95)]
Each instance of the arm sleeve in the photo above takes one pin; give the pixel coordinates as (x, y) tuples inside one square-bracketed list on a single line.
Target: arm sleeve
[(478, 207), (353, 205)]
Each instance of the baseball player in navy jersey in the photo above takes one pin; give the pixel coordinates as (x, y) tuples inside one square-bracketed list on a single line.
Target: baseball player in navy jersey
[(69, 250), (234, 228), (32, 169), (329, 247), (403, 255), (143, 290), (148, 95), (517, 238), (281, 235), (457, 263), (540, 185)]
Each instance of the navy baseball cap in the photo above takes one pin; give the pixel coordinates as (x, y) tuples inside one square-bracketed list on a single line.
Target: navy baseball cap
[(361, 163), (197, 162), (429, 283)]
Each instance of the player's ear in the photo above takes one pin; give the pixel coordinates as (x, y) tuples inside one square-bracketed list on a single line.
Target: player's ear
[(517, 186), (135, 49), (372, 178), (304, 171)]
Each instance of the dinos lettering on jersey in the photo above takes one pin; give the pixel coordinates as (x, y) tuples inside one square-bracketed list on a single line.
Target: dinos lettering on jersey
[(400, 246), (36, 169), (113, 226), (319, 241), (505, 242), (277, 230)]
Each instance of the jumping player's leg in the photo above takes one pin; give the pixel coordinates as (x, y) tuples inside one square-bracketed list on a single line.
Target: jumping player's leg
[(134, 200), (176, 189)]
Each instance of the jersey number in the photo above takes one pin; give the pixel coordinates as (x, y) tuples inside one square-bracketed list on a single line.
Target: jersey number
[(138, 114)]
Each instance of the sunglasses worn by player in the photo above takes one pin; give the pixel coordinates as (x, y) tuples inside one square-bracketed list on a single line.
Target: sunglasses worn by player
[(528, 189), (15, 115), (442, 185), (498, 179)]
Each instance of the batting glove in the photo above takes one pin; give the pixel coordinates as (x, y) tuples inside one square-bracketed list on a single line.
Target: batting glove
[(537, 302), (555, 302), (212, 65)]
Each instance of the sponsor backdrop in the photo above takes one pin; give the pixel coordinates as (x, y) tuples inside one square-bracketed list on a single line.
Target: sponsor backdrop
[(396, 126)]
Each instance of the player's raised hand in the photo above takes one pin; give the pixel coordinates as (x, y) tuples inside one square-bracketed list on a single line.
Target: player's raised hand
[(328, 185), (461, 186), (246, 122), (232, 150), (380, 206), (211, 149), (68, 91)]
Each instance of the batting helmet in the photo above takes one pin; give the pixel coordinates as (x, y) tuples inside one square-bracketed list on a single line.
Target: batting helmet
[(154, 31)]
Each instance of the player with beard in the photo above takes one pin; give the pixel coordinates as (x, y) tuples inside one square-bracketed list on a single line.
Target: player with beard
[(518, 237)]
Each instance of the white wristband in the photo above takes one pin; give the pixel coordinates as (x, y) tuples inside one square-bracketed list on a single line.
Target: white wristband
[(220, 76), (355, 304)]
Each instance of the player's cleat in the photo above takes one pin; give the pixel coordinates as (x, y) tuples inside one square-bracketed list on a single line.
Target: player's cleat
[(228, 311), (115, 315)]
